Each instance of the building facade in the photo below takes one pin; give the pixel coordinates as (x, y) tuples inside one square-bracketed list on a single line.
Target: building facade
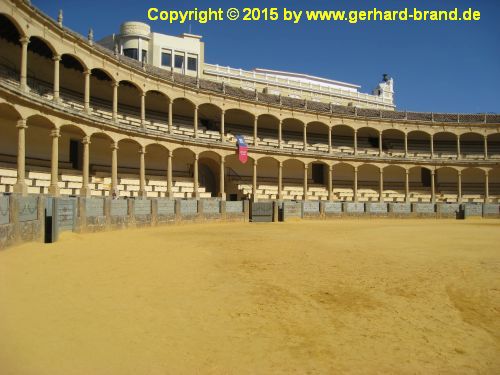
[(81, 119)]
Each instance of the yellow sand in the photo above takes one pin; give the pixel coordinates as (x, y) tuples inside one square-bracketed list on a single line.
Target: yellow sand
[(342, 296)]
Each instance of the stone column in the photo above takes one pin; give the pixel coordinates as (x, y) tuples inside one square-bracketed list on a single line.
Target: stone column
[(305, 137), (280, 138), (195, 121), (459, 153), (486, 186), (255, 121), (355, 188), (432, 146), (381, 185), (143, 110), (407, 186), (56, 59), (114, 169), (406, 145), (142, 172), (169, 176), (254, 182), (329, 140), (380, 143), (115, 101), (85, 191), (433, 187), (330, 183), (485, 147), (170, 115), (222, 187), (196, 194), (280, 180), (54, 166), (23, 79), (20, 186), (222, 131), (86, 96), (355, 141), (306, 167), (459, 186)]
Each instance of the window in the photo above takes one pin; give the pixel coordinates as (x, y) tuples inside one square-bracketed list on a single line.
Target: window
[(192, 63), (133, 53), (179, 61), (144, 56), (166, 59)]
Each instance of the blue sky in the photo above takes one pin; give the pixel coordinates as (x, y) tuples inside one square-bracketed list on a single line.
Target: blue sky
[(440, 66)]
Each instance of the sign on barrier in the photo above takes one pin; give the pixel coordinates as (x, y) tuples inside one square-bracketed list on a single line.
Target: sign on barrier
[(189, 207), (447, 208), (311, 207), (291, 209), (233, 207), (491, 209), (333, 208), (472, 209), (376, 208), (28, 208), (354, 207), (400, 208), (94, 207), (262, 211), (166, 207), (423, 208), (4, 210), (142, 207), (119, 207), (211, 206)]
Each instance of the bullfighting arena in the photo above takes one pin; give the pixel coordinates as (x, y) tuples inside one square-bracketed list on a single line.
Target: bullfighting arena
[(338, 297)]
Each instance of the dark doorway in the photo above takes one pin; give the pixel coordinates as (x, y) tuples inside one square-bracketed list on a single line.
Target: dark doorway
[(75, 154), (318, 173), (207, 179), (426, 177)]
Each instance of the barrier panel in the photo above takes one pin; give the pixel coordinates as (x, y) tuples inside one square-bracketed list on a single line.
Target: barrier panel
[(95, 214), (189, 207), (4, 210), (142, 207), (424, 209), (27, 208), (310, 209), (376, 208), (491, 210), (234, 207), (94, 207), (65, 214), (261, 211), (332, 208), (400, 209), (210, 208), (290, 209), (354, 208), (472, 209), (447, 209), (165, 209)]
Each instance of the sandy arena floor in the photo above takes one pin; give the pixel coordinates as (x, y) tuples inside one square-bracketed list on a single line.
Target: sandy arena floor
[(334, 297)]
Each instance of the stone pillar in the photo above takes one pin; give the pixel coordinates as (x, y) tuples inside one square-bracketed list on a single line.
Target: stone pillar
[(142, 172), (380, 143), (196, 194), (195, 121), (222, 181), (329, 140), (85, 191), (222, 131), (56, 59), (355, 188), (381, 185), (23, 79), (280, 138), (433, 187), (355, 141), (280, 180), (169, 176), (86, 96), (485, 147), (254, 181), (115, 101), (54, 166), (459, 186), (306, 167), (407, 186), (305, 137), (143, 110), (114, 169), (330, 183), (406, 145), (20, 186), (255, 122), (486, 186), (459, 153), (432, 146), (170, 115)]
